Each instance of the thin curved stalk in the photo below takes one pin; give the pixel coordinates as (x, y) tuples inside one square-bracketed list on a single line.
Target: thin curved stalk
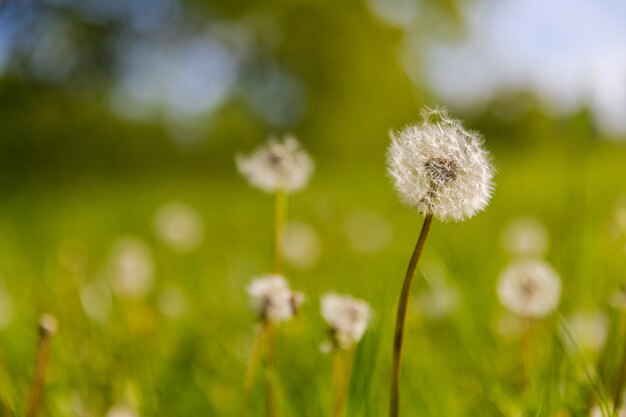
[(252, 367), (403, 304), (37, 387)]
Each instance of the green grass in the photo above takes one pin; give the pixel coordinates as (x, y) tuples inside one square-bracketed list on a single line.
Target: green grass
[(194, 365)]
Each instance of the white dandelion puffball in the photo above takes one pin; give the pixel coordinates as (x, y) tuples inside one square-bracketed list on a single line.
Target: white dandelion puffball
[(277, 166), (179, 226), (131, 268), (347, 317), (273, 300), (525, 237), (587, 330), (530, 288), (440, 168)]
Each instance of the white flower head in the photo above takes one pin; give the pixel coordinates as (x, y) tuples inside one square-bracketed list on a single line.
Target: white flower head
[(277, 166), (273, 300), (440, 168), (347, 317), (529, 288), (525, 237)]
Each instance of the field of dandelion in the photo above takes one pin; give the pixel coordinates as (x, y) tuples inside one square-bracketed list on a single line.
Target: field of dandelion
[(147, 277)]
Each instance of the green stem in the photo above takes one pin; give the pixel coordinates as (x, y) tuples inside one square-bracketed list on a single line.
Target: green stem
[(280, 218), (342, 368), (270, 369), (403, 304), (254, 363)]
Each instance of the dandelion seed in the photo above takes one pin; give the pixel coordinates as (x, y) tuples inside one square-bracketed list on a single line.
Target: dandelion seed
[(440, 168), (277, 166), (347, 317), (131, 268), (179, 226), (529, 288), (586, 331), (525, 237), (273, 300)]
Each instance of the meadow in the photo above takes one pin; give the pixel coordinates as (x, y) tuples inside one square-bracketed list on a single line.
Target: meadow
[(182, 346)]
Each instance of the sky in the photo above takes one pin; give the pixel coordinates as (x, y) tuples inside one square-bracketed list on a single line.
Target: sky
[(571, 53)]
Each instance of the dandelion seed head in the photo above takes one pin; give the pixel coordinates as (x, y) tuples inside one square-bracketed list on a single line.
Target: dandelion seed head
[(273, 300), (180, 226), (440, 168), (529, 288), (347, 317), (277, 166), (48, 325), (525, 237), (131, 268)]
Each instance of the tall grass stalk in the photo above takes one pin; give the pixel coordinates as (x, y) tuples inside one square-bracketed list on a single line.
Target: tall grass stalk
[(403, 304), (341, 370)]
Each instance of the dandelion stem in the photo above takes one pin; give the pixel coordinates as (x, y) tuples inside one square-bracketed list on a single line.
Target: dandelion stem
[(394, 406), (270, 365), (280, 218), (342, 368), (254, 363), (37, 387)]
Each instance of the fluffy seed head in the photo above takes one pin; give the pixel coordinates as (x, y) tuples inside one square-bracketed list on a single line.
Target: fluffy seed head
[(440, 168), (529, 288), (347, 317), (277, 166), (273, 300)]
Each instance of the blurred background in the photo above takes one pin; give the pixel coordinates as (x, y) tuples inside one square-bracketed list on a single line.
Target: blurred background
[(123, 214)]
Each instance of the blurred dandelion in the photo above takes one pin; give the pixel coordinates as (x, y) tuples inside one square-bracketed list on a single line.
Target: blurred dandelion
[(586, 331), (95, 298), (277, 166), (131, 268), (368, 231), (529, 288), (525, 238), (300, 245), (348, 319), (443, 171), (121, 411), (180, 226)]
